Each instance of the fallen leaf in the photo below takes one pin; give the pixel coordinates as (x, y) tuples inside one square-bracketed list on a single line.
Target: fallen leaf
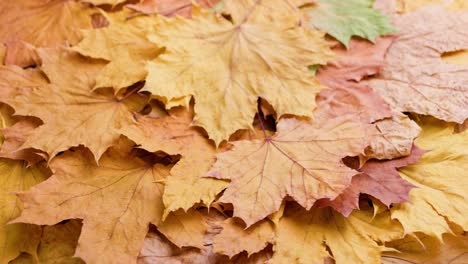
[(17, 238), (116, 200), (235, 63), (14, 138), (344, 19), (235, 238), (125, 46), (71, 112), (302, 160), (25, 20), (58, 243), (440, 195), (342, 75), (452, 250), (174, 135), (104, 2), (395, 138), (185, 229), (379, 179), (312, 236), (415, 78), (21, 53), (171, 7)]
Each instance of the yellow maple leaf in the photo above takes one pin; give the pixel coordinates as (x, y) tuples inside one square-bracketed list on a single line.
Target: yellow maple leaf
[(304, 236), (124, 44), (440, 196), (72, 113), (235, 238), (16, 238), (116, 200), (174, 135), (303, 160), (227, 65)]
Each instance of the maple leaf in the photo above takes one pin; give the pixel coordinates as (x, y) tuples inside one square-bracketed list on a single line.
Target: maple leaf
[(104, 2), (14, 138), (16, 238), (415, 78), (125, 46), (227, 66), (28, 20), (20, 53), (174, 135), (430, 250), (171, 7), (235, 238), (302, 160), (58, 243), (395, 138), (379, 179), (440, 197), (71, 112), (344, 19), (185, 229), (80, 189), (304, 236), (359, 60)]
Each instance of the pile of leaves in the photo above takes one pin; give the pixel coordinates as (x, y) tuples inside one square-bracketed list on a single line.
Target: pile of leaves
[(235, 131)]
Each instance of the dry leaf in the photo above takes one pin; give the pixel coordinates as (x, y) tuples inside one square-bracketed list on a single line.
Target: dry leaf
[(415, 78), (174, 135), (303, 160), (310, 236), (125, 46), (16, 238), (21, 53), (171, 7), (116, 200), (235, 238), (395, 138), (429, 250), (26, 20), (379, 179), (227, 66), (440, 197), (185, 229), (71, 112)]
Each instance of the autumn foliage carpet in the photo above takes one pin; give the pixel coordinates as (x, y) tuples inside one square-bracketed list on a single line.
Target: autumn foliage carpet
[(235, 131)]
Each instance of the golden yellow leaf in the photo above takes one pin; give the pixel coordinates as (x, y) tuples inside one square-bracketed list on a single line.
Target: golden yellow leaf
[(116, 200), (104, 2), (72, 113), (303, 160), (226, 66), (16, 238), (235, 238), (185, 229), (304, 236), (429, 250), (441, 193), (124, 44), (174, 135)]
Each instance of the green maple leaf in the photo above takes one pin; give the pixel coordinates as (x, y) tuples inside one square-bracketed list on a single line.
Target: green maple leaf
[(343, 19)]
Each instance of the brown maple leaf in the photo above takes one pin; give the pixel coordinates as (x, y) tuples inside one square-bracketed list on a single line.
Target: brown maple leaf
[(72, 113), (174, 135), (379, 179), (116, 200), (415, 78), (302, 160)]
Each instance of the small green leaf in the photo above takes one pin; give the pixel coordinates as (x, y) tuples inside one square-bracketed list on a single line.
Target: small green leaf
[(343, 19)]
